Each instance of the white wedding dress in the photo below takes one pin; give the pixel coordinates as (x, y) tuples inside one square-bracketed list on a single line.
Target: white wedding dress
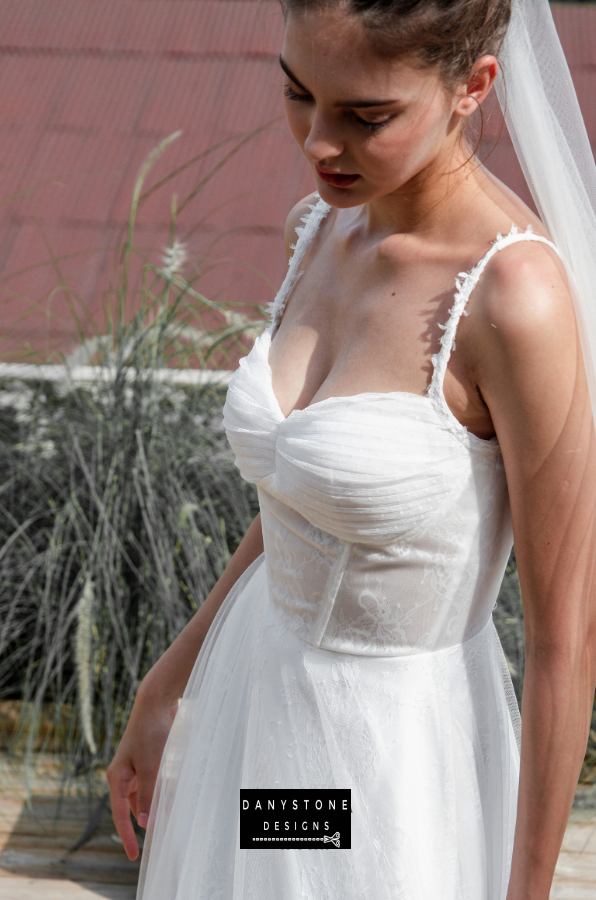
[(358, 652)]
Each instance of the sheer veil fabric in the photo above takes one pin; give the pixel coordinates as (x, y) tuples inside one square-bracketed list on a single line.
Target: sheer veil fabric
[(542, 112)]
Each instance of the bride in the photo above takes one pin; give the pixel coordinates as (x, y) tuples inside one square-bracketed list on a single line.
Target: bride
[(350, 643)]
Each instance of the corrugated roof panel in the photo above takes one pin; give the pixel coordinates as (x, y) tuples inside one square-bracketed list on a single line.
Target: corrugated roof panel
[(576, 26), (29, 91), (34, 297), (178, 99), (229, 27), (82, 173), (115, 95)]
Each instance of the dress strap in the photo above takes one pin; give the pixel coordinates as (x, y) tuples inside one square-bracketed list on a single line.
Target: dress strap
[(465, 284), (305, 233)]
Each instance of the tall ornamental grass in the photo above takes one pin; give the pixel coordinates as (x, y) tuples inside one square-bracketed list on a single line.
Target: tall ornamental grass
[(120, 505)]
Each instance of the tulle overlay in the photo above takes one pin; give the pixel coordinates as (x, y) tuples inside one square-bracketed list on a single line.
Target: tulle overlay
[(425, 742), (358, 653)]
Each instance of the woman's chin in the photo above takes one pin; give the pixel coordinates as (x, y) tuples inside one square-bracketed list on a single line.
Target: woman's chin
[(342, 197)]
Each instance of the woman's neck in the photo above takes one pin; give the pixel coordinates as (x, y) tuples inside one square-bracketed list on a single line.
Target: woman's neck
[(431, 202)]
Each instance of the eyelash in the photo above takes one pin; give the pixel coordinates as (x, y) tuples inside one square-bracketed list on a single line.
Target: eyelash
[(306, 98), (292, 95)]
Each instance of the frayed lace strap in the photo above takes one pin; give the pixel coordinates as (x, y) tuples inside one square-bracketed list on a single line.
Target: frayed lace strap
[(465, 284), (305, 233)]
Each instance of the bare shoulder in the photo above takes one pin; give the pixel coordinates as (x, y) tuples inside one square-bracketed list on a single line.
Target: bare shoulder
[(523, 298), (523, 345), (525, 356), (295, 215)]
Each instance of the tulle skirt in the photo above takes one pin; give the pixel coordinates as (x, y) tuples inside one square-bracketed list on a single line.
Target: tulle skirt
[(425, 742)]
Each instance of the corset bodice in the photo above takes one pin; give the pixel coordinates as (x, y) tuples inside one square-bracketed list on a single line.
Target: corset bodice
[(386, 523)]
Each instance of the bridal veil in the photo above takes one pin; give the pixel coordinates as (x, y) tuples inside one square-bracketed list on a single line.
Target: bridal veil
[(542, 113)]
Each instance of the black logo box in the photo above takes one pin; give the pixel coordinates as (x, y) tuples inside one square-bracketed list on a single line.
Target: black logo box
[(298, 818)]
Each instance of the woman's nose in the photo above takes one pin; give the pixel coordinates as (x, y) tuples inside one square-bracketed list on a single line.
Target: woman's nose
[(323, 141)]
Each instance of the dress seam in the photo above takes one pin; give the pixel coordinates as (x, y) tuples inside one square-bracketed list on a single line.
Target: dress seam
[(338, 577)]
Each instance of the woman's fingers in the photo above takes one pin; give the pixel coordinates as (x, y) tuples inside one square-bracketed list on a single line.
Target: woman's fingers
[(146, 786), (122, 790), (123, 823), (133, 772)]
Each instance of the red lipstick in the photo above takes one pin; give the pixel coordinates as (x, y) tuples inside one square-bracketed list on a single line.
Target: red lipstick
[(337, 180)]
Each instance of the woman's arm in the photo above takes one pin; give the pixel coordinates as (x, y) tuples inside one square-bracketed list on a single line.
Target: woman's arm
[(133, 771), (531, 375), (166, 681)]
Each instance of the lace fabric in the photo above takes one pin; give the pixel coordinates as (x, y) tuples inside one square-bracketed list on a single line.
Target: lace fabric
[(305, 233)]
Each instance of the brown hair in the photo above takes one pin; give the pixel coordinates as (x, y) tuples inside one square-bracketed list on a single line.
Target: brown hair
[(450, 34)]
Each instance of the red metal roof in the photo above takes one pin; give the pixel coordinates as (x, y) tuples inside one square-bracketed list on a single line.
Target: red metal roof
[(89, 87)]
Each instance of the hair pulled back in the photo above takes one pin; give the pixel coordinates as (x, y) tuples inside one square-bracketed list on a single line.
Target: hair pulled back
[(448, 34)]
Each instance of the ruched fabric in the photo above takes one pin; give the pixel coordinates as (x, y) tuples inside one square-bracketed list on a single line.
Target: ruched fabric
[(358, 652)]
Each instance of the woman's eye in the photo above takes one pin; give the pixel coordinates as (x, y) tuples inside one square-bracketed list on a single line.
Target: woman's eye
[(292, 95), (372, 126)]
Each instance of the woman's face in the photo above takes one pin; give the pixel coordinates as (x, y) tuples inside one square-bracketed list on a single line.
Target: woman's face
[(367, 125)]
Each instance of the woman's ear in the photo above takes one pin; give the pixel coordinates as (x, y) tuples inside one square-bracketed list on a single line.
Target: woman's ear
[(474, 90)]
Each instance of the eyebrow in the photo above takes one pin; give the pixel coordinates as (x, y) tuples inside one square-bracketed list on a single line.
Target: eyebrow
[(354, 104)]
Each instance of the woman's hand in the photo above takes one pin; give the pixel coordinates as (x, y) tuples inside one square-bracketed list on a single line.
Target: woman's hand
[(133, 771)]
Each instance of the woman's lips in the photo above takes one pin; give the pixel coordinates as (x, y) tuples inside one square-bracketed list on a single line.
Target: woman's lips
[(337, 180)]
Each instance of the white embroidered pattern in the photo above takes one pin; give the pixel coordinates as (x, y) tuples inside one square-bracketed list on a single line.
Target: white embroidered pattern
[(305, 232), (465, 283)]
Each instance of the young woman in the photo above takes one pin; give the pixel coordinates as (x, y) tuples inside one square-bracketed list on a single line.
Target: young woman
[(349, 643)]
